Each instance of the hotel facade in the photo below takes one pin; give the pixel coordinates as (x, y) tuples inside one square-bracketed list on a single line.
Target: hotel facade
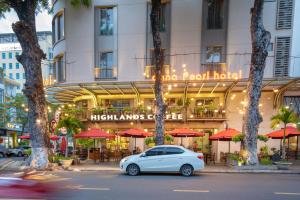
[(104, 64)]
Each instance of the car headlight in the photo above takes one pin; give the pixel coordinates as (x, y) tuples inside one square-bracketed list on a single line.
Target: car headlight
[(124, 160)]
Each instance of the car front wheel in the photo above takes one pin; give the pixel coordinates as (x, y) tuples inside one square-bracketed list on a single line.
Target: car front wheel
[(133, 170), (186, 170)]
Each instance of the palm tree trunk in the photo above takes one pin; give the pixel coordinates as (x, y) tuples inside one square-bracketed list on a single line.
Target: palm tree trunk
[(283, 143), (260, 41), (31, 58), (160, 106)]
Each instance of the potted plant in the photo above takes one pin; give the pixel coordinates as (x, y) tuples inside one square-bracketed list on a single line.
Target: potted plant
[(65, 162), (169, 139), (150, 142)]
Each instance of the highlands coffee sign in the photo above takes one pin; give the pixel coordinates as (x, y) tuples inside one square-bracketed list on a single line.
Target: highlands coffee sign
[(130, 117)]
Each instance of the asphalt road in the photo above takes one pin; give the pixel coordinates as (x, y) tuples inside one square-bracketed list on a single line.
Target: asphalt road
[(113, 186)]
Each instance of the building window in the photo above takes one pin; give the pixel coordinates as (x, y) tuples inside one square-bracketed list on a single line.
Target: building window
[(61, 69), (3, 55), (10, 55), (282, 56), (17, 76), (10, 75), (215, 14), (10, 65), (106, 69), (284, 14), (17, 65), (213, 54), (162, 18), (293, 102), (17, 53), (4, 65), (58, 28), (106, 21)]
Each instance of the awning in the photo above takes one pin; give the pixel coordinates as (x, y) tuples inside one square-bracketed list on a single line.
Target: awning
[(67, 93), (27, 137)]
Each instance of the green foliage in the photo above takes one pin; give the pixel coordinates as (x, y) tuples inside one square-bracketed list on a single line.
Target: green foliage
[(169, 138), (78, 3), (179, 102), (56, 158), (262, 138), (285, 115), (72, 124), (233, 156), (265, 161), (28, 152), (149, 140), (85, 143), (238, 138), (264, 150)]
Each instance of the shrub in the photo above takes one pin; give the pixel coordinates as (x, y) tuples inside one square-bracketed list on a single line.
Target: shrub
[(262, 138), (169, 138), (238, 138), (149, 140), (265, 161)]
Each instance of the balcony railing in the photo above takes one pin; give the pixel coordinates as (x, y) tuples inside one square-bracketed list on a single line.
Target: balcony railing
[(105, 73), (187, 113), (213, 67)]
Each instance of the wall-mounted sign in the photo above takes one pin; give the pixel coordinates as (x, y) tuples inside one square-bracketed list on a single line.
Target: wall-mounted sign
[(131, 117), (206, 76)]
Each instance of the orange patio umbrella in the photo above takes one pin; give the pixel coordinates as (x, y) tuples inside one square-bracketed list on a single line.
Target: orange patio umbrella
[(185, 132), (94, 133), (289, 132), (135, 133), (225, 135)]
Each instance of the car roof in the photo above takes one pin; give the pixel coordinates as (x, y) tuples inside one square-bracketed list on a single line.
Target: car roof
[(181, 147)]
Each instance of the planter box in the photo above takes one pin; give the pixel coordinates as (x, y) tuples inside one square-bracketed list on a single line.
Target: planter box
[(66, 163)]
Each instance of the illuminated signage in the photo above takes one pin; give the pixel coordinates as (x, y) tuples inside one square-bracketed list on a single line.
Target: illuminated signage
[(131, 117), (206, 76)]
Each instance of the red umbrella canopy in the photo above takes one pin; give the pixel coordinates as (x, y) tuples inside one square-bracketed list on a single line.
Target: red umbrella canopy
[(94, 133), (27, 137), (289, 132), (184, 132), (135, 132), (225, 135)]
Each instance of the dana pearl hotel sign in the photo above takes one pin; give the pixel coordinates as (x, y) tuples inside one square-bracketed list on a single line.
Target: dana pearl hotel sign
[(129, 117)]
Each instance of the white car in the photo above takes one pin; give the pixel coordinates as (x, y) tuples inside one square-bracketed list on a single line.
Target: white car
[(163, 158)]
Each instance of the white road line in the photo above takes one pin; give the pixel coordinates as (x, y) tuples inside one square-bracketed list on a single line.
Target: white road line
[(287, 193), (101, 189), (19, 199), (199, 191)]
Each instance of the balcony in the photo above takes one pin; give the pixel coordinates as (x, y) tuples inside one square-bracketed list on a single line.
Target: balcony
[(147, 114), (105, 73), (219, 68)]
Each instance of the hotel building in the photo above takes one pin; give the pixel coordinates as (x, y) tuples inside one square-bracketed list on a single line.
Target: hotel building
[(104, 63)]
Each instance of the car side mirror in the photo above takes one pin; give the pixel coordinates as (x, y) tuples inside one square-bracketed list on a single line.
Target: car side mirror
[(143, 155)]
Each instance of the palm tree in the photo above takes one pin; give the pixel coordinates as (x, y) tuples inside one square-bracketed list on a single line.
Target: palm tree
[(284, 116), (31, 58), (72, 125), (252, 118)]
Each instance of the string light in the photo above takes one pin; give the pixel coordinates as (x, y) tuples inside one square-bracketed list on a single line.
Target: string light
[(38, 121)]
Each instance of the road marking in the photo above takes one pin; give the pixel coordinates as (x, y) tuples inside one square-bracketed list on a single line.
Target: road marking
[(101, 189), (19, 199), (199, 191), (286, 193)]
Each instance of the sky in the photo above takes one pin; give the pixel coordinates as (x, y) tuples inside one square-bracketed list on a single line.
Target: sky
[(43, 22)]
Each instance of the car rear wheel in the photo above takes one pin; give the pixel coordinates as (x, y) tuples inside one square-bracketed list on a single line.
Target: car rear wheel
[(20, 154), (186, 170), (133, 170)]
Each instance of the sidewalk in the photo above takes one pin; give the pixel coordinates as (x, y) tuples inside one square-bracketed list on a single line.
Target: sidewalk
[(113, 166), (11, 165)]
